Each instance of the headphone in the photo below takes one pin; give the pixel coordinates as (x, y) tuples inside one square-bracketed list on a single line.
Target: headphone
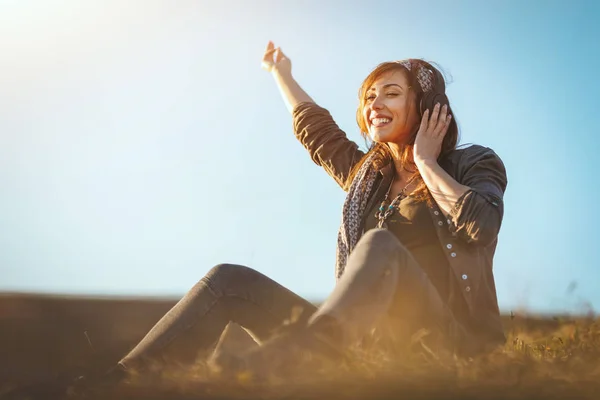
[(437, 94)]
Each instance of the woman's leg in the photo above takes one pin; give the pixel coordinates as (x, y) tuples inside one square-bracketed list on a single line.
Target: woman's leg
[(383, 280), (227, 293)]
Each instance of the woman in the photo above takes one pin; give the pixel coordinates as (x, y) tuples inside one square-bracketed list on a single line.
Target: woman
[(415, 249)]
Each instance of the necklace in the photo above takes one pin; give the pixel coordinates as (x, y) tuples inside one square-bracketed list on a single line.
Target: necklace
[(384, 212)]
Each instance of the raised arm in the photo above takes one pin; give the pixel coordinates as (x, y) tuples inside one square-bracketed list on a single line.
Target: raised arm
[(280, 67), (327, 144)]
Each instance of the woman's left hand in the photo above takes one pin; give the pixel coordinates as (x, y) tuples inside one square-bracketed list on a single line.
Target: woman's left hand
[(428, 143)]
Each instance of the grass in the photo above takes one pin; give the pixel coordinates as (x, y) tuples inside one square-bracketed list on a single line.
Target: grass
[(551, 359)]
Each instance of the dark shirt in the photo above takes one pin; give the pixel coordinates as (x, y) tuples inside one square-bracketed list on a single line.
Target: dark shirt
[(413, 227)]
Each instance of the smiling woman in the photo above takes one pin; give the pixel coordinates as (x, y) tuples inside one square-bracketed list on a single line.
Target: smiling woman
[(415, 247)]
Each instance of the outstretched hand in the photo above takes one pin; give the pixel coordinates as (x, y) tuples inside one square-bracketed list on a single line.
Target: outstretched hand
[(275, 61), (428, 143)]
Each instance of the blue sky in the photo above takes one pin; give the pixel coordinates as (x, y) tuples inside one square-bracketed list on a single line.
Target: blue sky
[(141, 143)]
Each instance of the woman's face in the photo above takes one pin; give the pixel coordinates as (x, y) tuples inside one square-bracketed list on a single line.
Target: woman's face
[(389, 109)]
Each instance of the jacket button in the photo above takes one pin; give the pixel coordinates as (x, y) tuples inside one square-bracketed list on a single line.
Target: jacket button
[(468, 289), (436, 213), (464, 276), (448, 246), (440, 223), (452, 254)]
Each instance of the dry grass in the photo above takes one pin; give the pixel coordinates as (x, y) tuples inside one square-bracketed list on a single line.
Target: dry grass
[(559, 358), (551, 358)]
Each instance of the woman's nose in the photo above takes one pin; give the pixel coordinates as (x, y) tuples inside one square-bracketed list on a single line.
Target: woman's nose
[(377, 103)]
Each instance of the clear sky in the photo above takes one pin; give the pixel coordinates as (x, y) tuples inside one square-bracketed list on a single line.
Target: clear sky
[(141, 143)]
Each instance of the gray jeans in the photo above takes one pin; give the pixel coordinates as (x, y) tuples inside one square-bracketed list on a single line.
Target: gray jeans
[(381, 282)]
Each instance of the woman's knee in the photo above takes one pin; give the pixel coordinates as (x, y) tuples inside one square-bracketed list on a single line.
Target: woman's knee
[(383, 240), (224, 276), (382, 253), (379, 248), (228, 270)]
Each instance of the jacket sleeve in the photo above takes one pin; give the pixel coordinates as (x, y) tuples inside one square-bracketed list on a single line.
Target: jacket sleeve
[(477, 215), (326, 143)]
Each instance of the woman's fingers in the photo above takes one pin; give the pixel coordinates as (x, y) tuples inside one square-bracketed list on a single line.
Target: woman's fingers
[(424, 121), (270, 49), (269, 55), (446, 124), (441, 121), (267, 61), (273, 55), (434, 117), (279, 56)]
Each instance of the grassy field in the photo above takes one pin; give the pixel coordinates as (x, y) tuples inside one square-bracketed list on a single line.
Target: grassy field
[(45, 339)]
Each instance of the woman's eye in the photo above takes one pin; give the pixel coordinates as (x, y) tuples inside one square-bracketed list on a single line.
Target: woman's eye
[(390, 94)]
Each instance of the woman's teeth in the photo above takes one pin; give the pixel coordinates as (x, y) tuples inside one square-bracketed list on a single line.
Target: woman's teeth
[(380, 121)]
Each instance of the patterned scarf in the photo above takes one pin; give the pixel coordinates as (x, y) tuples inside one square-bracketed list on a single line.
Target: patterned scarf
[(353, 210)]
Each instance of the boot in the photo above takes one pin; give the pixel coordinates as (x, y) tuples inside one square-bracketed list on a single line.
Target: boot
[(295, 348), (85, 386)]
